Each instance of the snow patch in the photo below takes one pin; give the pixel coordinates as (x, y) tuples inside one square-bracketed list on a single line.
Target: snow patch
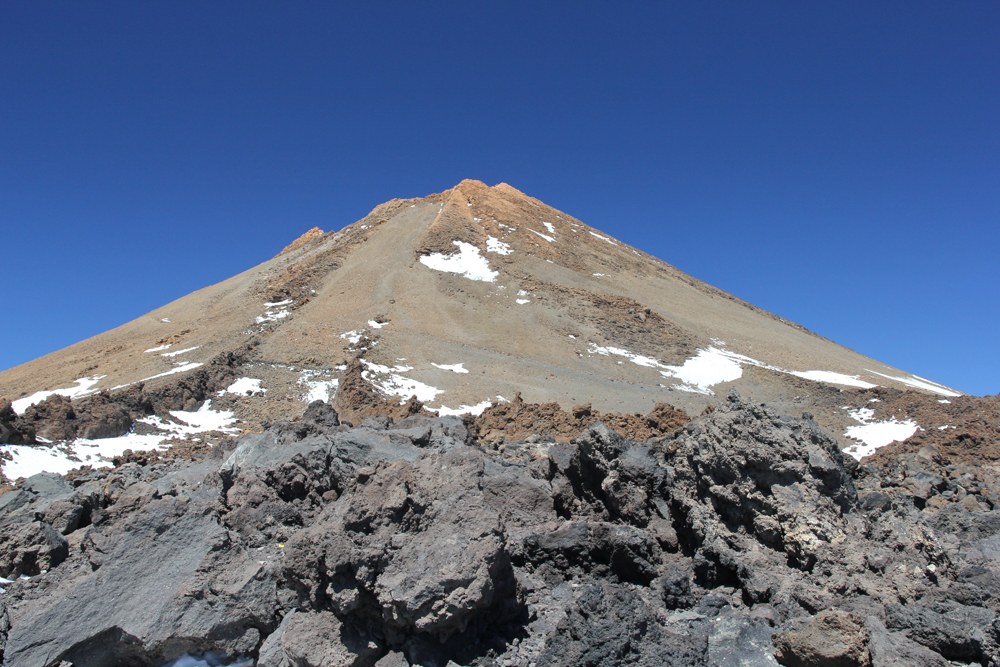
[(376, 325), (548, 226), (872, 435), (157, 349), (179, 352), (390, 382), (833, 378), (318, 390), (199, 421), (476, 409), (83, 387), (708, 367), (454, 368), (467, 262), (920, 383), (497, 246), (523, 301), (547, 238), (274, 311), (637, 359), (605, 238), (352, 337), (179, 369), (245, 385), (27, 461)]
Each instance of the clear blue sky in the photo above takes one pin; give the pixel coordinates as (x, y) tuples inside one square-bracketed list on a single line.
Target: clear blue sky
[(836, 163)]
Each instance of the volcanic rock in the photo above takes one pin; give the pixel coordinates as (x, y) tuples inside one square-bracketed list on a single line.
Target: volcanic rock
[(737, 540)]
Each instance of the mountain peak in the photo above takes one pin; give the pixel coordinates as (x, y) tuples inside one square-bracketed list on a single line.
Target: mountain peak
[(313, 233), (462, 299)]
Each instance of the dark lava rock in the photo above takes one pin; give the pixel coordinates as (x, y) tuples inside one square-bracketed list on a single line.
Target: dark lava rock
[(611, 626), (11, 431), (739, 540)]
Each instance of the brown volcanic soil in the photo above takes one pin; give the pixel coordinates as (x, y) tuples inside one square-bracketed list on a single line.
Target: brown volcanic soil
[(357, 400), (975, 438), (518, 420)]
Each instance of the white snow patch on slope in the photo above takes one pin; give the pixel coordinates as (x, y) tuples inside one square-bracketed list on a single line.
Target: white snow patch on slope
[(157, 349), (522, 301), (701, 372), (476, 409), (179, 352), (179, 369), (697, 374), (352, 337), (637, 359), (318, 390), (708, 367), (467, 262), (547, 238), (714, 365), (272, 316), (920, 383), (873, 435), (603, 237), (82, 388), (376, 325), (548, 226), (834, 378), (203, 419), (27, 461), (454, 368), (274, 311), (62, 458), (497, 246), (244, 385), (389, 381)]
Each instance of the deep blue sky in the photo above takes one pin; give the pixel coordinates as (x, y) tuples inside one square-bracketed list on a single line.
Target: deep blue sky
[(835, 163)]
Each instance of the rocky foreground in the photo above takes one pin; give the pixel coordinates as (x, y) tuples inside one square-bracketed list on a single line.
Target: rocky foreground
[(743, 538)]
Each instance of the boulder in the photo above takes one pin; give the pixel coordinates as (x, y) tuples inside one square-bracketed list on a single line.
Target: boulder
[(165, 581), (895, 649), (831, 639), (30, 548)]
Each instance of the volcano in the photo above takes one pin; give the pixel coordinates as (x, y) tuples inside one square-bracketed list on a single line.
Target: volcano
[(448, 304), (469, 429)]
